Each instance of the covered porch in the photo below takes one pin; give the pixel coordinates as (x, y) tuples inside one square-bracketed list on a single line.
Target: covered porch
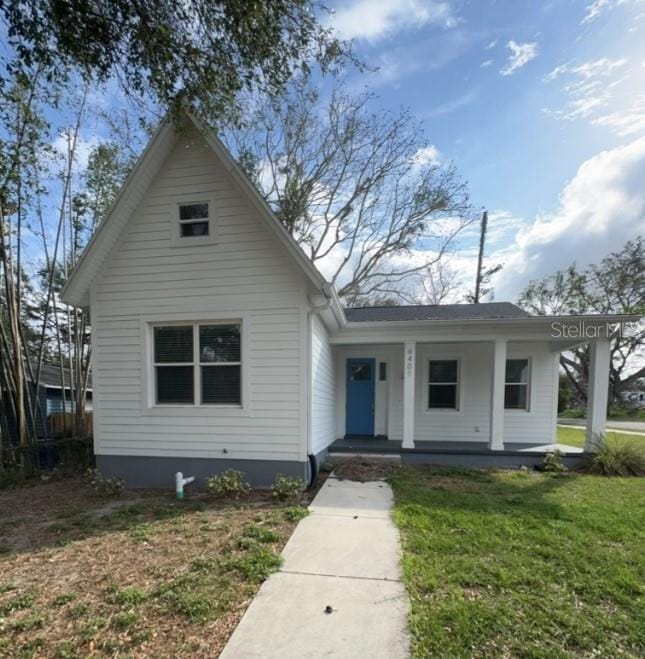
[(496, 403)]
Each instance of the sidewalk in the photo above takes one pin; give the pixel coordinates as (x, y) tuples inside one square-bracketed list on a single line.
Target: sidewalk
[(345, 555), (625, 427)]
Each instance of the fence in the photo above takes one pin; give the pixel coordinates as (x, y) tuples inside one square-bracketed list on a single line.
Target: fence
[(62, 424)]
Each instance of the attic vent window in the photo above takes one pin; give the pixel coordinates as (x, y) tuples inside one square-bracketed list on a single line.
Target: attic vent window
[(193, 220)]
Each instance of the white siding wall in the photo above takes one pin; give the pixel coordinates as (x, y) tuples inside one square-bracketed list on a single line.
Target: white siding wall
[(246, 275), (323, 388), (471, 421), (538, 425)]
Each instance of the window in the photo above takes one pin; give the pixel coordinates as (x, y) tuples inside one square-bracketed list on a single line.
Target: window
[(443, 383), (382, 371), (200, 362), (362, 371), (193, 220), (516, 389)]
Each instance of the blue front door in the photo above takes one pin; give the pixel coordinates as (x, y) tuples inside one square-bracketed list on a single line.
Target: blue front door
[(360, 397)]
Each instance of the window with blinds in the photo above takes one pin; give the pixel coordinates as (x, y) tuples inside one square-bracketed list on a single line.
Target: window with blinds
[(443, 384), (198, 364), (516, 387)]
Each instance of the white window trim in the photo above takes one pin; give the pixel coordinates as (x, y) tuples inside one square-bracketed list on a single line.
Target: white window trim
[(149, 405), (529, 384), (176, 239), (427, 358)]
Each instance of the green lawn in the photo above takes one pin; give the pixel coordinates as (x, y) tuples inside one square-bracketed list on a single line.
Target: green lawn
[(576, 437), (522, 564)]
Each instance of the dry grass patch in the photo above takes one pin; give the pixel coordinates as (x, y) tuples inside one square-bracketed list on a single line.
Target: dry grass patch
[(141, 576)]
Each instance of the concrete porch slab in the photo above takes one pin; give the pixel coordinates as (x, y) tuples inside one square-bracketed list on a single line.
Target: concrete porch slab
[(338, 546), (287, 620)]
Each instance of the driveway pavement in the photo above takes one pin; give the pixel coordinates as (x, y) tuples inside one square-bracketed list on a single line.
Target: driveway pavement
[(339, 593), (618, 426)]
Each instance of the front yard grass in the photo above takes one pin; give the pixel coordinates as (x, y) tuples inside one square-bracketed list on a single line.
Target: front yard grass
[(140, 576), (576, 437), (522, 564)]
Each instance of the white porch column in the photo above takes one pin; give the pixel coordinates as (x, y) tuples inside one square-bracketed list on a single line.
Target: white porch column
[(409, 361), (497, 396), (597, 391)]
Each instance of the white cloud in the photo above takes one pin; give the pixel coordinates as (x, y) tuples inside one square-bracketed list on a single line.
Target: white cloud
[(602, 91), (600, 209), (428, 155), (625, 122), (376, 19), (455, 104), (521, 55), (84, 147), (486, 63), (491, 45), (598, 7)]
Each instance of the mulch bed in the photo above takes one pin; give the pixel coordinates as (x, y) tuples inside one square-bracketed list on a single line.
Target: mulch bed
[(138, 576)]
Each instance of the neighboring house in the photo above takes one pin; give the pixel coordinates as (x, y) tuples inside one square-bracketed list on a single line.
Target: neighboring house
[(52, 396), (217, 344), (633, 398)]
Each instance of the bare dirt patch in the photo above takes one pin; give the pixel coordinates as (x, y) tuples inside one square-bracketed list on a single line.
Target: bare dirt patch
[(143, 575), (364, 469)]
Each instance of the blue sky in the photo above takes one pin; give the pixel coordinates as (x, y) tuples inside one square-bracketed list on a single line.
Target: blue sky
[(541, 106)]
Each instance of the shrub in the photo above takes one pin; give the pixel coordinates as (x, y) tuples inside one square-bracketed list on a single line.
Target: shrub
[(256, 563), (295, 513), (229, 483), (286, 488), (615, 459), (104, 487), (553, 462)]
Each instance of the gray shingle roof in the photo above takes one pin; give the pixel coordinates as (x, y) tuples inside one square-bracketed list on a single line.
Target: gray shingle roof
[(50, 375), (481, 311)]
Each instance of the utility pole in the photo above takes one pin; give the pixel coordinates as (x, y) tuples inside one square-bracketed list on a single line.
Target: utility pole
[(480, 259)]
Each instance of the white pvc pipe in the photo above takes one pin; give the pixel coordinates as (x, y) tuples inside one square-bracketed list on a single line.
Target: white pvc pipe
[(180, 481)]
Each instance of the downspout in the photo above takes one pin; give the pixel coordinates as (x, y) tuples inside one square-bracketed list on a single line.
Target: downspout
[(314, 311)]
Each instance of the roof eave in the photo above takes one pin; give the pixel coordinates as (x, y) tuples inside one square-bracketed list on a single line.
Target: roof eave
[(527, 321)]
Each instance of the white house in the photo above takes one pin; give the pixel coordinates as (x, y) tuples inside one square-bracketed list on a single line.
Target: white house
[(217, 343)]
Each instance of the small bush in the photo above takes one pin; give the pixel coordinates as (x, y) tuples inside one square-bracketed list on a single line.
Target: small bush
[(553, 462), (260, 534), (295, 513), (615, 459), (286, 488), (229, 483), (104, 487), (257, 563)]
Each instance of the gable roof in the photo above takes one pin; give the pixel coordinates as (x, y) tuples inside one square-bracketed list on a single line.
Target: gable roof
[(481, 311), (76, 290), (50, 376)]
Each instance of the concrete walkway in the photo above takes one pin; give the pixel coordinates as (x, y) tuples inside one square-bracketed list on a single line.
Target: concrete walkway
[(346, 556)]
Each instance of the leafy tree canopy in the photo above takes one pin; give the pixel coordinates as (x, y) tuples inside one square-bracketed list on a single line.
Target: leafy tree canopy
[(616, 285), (198, 51)]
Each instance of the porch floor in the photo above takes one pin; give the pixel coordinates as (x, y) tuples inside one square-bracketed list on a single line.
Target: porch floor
[(381, 445)]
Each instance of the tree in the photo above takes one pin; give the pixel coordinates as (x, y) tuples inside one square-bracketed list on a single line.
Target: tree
[(359, 190), (614, 286), (203, 51)]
